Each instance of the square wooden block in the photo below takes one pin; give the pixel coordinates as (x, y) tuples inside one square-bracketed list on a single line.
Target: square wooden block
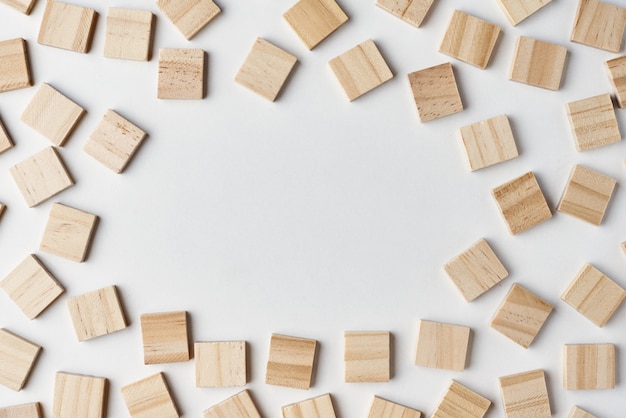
[(599, 24), (14, 65), (318, 407), (588, 366), (587, 195), (382, 408), (538, 63), (31, 287), (577, 412), (367, 356), (411, 11), (522, 203), (189, 16), (469, 39), (68, 233), (518, 10), (29, 410), (149, 398), (361, 69), (181, 74), (314, 20), (291, 362), (442, 346), (220, 364), (79, 396), (266, 69), (525, 395), (17, 357), (67, 26), (521, 315), (617, 75), (41, 176), (5, 140), (237, 406), (593, 122), (460, 401), (114, 142), (488, 142), (594, 295), (96, 313), (435, 92), (128, 34), (165, 338), (24, 6)]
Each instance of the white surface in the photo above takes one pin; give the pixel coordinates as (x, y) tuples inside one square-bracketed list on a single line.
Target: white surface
[(311, 216)]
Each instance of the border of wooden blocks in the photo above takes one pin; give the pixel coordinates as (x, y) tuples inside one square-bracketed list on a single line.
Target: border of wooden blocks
[(593, 122), (442, 346), (588, 366), (189, 16), (488, 142), (382, 408), (165, 337), (181, 74), (220, 364), (67, 26), (29, 410), (79, 396), (599, 24), (291, 361), (411, 11), (149, 397), (318, 407), (435, 92), (24, 6), (17, 358), (240, 405), (69, 232), (525, 395), (367, 356), (616, 68), (129, 34), (519, 10), (96, 313), (577, 412), (14, 65), (315, 20), (587, 194), (460, 401), (538, 63)]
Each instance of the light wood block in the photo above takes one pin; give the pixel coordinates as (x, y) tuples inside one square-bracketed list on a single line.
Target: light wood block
[(442, 346), (314, 20), (41, 176), (14, 65), (17, 357), (189, 16), (382, 408), (291, 362), (594, 295), (459, 401), (617, 75), (538, 63), (318, 407), (31, 287), (521, 203), (588, 366), (587, 195), (593, 122), (79, 396), (68, 233), (220, 364), (488, 142), (29, 410), (599, 24), (149, 398), (24, 6), (411, 11), (518, 10), (96, 313), (114, 142), (521, 315), (266, 69), (469, 39), (181, 74), (367, 356), (525, 395), (360, 69), (67, 26), (128, 34), (577, 412), (435, 92), (2, 208), (165, 338), (237, 406), (52, 114), (5, 140)]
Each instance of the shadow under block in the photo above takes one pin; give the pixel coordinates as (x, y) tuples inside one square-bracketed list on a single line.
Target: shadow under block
[(5, 140), (96, 313), (128, 34), (617, 75), (237, 406), (79, 396), (382, 408), (31, 287), (189, 16), (291, 362), (577, 412), (67, 26), (318, 407), (518, 10), (360, 69), (14, 65), (367, 356), (538, 63), (68, 233), (411, 11), (314, 20), (220, 364), (488, 142), (442, 346), (599, 24), (593, 122), (29, 410), (266, 69), (181, 74), (525, 395), (149, 398), (17, 357), (587, 195), (460, 401), (588, 366), (435, 92), (24, 6), (165, 338)]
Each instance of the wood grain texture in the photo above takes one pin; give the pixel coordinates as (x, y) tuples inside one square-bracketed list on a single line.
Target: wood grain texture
[(237, 406), (68, 233), (165, 338), (460, 401), (538, 63), (411, 11), (593, 122), (314, 20), (318, 407), (382, 408), (128, 34), (488, 142), (96, 313), (14, 65), (67, 26), (6, 143), (291, 362), (525, 395), (29, 410), (518, 10), (599, 24), (181, 74), (587, 195), (79, 396), (220, 364), (24, 6), (442, 346), (17, 357), (149, 398), (189, 16), (617, 75), (577, 412), (435, 92), (588, 366), (367, 356)]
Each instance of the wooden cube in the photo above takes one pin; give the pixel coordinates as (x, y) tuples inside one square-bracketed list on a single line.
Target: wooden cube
[(599, 24), (382, 408), (220, 364), (314, 20), (128, 34), (14, 65), (488, 142), (367, 356), (435, 92), (114, 142), (79, 396), (165, 338), (521, 315), (594, 295), (587, 195), (5, 140), (577, 412), (588, 366), (17, 357), (181, 74), (149, 398), (291, 362), (442, 346), (617, 75), (237, 406), (525, 395), (411, 11), (538, 63), (266, 69), (593, 122), (521, 203), (68, 233), (189, 16), (469, 39), (518, 10), (29, 410), (31, 287), (67, 26), (24, 6), (361, 69), (96, 313), (460, 401), (318, 407)]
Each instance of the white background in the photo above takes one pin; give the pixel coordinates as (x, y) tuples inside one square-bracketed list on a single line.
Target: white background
[(311, 216)]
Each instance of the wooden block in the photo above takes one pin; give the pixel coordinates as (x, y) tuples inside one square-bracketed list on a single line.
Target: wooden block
[(538, 63), (594, 295), (17, 357), (599, 24), (165, 337), (5, 140), (587, 195), (67, 26), (367, 356), (41, 176), (29, 410), (2, 208), (411, 11), (189, 16), (68, 233), (314, 20), (52, 114), (266, 69), (149, 398), (31, 287), (577, 412), (14, 65), (96, 313), (593, 122), (522, 203), (361, 69), (525, 395), (518, 10), (488, 142), (128, 34), (79, 396), (460, 401), (24, 6), (442, 346), (521, 315), (469, 39), (114, 142), (623, 245), (318, 407), (588, 366), (291, 362), (435, 92), (220, 364), (617, 75), (181, 74), (382, 408), (238, 406)]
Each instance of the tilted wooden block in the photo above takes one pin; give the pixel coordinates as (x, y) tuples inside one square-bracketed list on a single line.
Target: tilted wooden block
[(79, 396), (14, 65), (525, 395), (617, 75), (593, 122), (5, 140), (538, 63), (588, 366), (24, 6), (67, 26), (237, 406), (314, 20), (599, 24), (367, 356), (68, 233), (96, 313), (460, 401), (181, 74), (382, 408), (291, 362), (17, 357), (435, 92), (411, 11), (442, 346), (149, 398), (488, 142), (318, 407), (29, 410), (165, 338), (577, 412), (128, 34), (189, 16), (518, 10), (220, 364), (587, 195)]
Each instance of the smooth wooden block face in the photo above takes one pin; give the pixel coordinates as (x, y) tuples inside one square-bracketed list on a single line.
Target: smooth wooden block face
[(181, 74), (96, 313), (220, 364), (68, 233), (518, 10), (238, 406), (589, 366), (593, 122), (411, 11), (266, 69), (24, 6), (5, 140), (149, 398), (17, 357), (291, 362), (14, 65), (382, 408), (67, 26), (128, 34), (367, 356), (442, 346), (599, 24), (538, 63), (460, 401), (587, 195), (577, 412), (314, 20), (29, 410), (488, 142), (319, 407), (189, 16), (79, 396), (525, 395), (435, 92), (617, 75), (165, 337)]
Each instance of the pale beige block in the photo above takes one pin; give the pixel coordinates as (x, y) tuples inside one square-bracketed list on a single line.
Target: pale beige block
[(599, 24), (442, 346), (79, 396), (189, 16), (314, 20), (2, 208), (382, 408), (14, 65), (17, 357), (577, 412), (68, 233), (518, 10), (67, 26), (128, 34), (411, 11), (290, 362), (149, 398), (6, 143), (181, 74), (29, 410), (96, 313), (617, 75), (538, 63), (488, 142), (435, 92), (525, 395), (165, 338), (220, 364), (367, 356), (318, 407), (24, 6), (593, 122), (587, 195), (588, 366), (460, 401), (237, 406)]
